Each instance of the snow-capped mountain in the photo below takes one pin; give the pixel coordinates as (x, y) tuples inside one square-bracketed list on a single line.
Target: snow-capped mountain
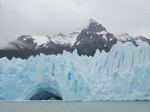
[(135, 40), (94, 36), (39, 42)]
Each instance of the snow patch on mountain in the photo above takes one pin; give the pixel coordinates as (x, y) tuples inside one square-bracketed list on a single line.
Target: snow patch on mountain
[(39, 40), (66, 38), (101, 33), (139, 42), (123, 37), (104, 37)]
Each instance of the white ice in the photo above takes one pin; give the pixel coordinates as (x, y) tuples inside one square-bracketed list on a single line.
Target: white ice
[(121, 74)]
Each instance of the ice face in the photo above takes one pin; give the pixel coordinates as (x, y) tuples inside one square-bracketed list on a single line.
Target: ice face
[(121, 74)]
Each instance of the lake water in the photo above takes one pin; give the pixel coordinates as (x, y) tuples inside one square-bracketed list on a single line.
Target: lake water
[(61, 106)]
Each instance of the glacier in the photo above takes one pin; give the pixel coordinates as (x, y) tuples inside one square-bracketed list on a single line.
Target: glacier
[(121, 74)]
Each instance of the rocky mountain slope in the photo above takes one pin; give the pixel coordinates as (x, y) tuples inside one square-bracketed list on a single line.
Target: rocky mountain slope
[(86, 41)]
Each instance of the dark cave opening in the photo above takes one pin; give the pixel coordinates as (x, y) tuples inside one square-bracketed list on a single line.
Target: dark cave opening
[(45, 95)]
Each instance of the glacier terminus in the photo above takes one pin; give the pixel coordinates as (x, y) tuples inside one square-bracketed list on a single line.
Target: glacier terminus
[(121, 74)]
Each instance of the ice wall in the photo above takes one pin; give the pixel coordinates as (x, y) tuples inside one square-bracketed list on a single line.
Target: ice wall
[(121, 74)]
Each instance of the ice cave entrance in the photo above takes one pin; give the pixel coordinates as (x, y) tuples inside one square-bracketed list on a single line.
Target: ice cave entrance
[(45, 95)]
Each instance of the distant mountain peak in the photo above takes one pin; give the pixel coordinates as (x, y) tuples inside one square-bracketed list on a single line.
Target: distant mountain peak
[(124, 37), (125, 34), (87, 40), (94, 26), (92, 20)]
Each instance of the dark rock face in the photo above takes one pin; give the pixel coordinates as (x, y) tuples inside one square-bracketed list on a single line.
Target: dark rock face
[(90, 39), (87, 41), (95, 26), (21, 44)]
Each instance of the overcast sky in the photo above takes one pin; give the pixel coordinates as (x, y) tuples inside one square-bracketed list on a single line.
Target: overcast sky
[(45, 17)]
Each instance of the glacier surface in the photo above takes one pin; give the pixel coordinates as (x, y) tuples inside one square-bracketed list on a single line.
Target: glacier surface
[(121, 74)]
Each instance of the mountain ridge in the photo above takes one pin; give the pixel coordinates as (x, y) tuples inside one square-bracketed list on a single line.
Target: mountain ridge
[(94, 36)]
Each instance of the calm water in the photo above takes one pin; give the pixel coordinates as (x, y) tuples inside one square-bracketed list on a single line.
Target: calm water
[(60, 106)]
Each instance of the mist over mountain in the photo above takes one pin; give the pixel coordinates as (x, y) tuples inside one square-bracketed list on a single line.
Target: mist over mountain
[(87, 40)]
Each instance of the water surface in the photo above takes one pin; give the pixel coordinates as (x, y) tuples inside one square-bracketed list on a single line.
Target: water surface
[(61, 106)]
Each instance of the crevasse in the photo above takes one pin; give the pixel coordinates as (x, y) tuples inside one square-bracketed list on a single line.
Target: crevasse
[(121, 74)]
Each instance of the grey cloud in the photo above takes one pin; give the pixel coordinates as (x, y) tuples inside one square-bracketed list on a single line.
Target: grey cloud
[(46, 17)]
